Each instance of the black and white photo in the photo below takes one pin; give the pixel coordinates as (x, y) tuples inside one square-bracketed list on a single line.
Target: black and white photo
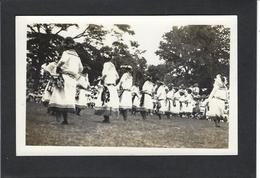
[(126, 85)]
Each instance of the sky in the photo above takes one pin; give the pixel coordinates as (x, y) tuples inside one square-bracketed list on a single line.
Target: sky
[(147, 36), (148, 29), (149, 39)]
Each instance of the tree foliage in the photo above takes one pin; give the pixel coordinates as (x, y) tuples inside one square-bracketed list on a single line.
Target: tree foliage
[(44, 45), (195, 53)]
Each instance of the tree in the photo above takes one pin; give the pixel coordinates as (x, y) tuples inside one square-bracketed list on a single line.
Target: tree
[(122, 51), (127, 52), (157, 72), (44, 45), (195, 53)]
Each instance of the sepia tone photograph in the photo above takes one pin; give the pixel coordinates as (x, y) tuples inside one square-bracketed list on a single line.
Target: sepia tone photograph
[(167, 83)]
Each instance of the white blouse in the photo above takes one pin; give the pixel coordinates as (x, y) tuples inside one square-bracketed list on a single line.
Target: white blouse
[(161, 93), (170, 94), (126, 81), (148, 87), (70, 62), (135, 90), (109, 70)]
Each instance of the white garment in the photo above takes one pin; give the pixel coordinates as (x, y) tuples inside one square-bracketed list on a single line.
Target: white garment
[(136, 96), (216, 108), (126, 83), (161, 96), (217, 101), (182, 101), (176, 103), (65, 98), (82, 100), (51, 69), (83, 82), (113, 103), (110, 73), (217, 98), (169, 101), (110, 76), (203, 107), (71, 63), (189, 104), (161, 93), (147, 89)]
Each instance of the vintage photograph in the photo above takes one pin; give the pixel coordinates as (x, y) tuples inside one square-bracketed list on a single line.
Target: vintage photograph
[(163, 82)]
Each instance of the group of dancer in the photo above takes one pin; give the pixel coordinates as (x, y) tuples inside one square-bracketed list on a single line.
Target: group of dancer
[(68, 87)]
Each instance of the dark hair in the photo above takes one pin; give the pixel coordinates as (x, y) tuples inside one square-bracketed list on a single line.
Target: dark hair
[(107, 59), (189, 91), (69, 43), (222, 78)]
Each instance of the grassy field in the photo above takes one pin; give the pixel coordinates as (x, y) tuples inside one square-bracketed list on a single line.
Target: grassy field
[(88, 130)]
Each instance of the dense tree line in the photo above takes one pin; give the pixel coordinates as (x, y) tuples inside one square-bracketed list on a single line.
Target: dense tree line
[(195, 53)]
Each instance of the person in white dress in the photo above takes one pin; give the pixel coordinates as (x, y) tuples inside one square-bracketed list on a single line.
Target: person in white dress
[(189, 103), (82, 91), (146, 102), (203, 105), (182, 101), (161, 99), (98, 96), (69, 66), (136, 96), (125, 85), (154, 99), (196, 98), (108, 100), (216, 100), (176, 100), (50, 69), (169, 101)]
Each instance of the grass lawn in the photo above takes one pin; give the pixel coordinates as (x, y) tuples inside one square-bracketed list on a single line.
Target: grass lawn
[(88, 130)]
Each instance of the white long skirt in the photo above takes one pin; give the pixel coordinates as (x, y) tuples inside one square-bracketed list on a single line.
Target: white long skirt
[(176, 107), (148, 103), (187, 108), (126, 100), (183, 107), (169, 106), (111, 106), (162, 109), (64, 99), (136, 102), (82, 101), (216, 108)]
